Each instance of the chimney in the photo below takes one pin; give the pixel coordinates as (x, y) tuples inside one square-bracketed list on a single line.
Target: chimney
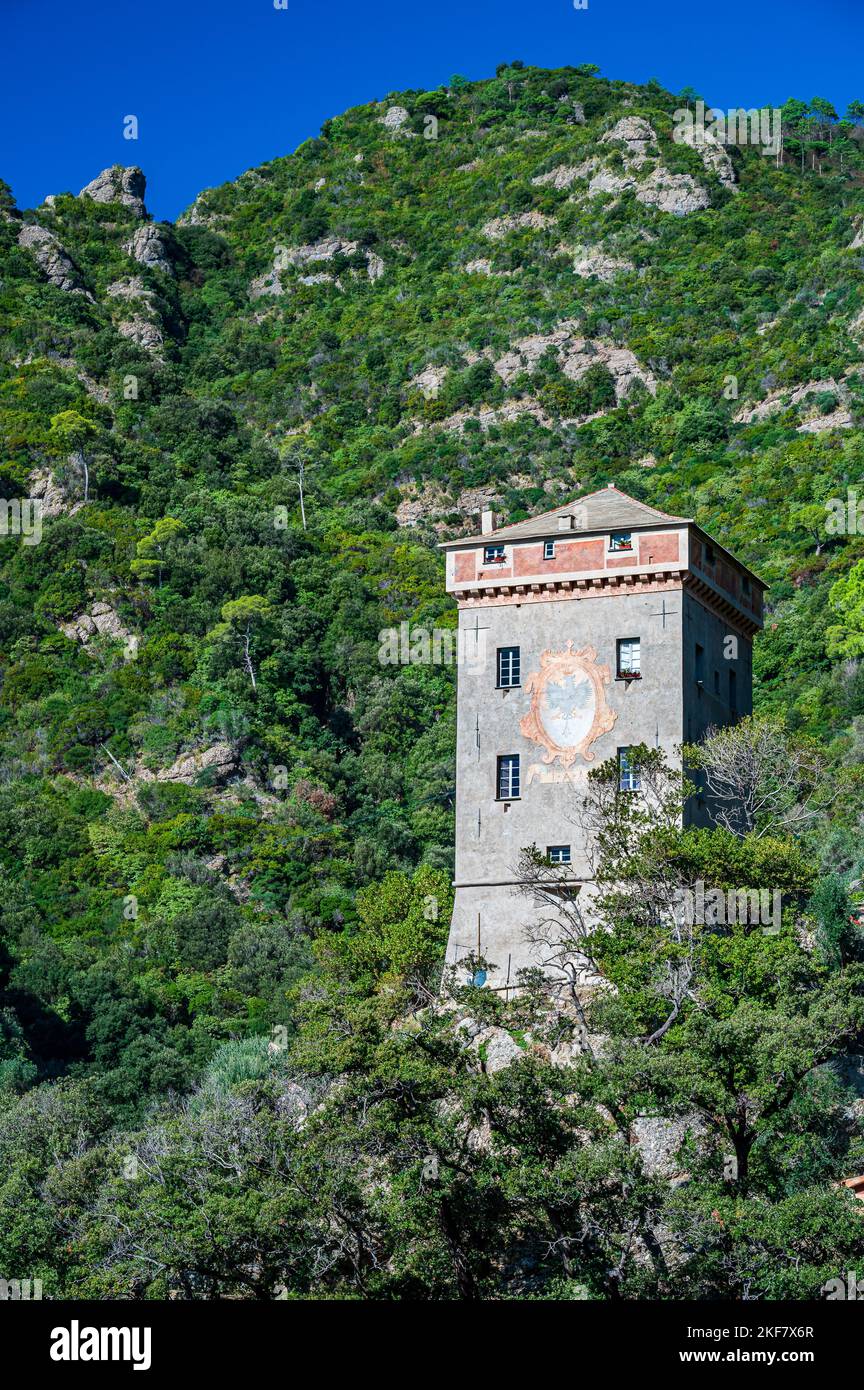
[(565, 523), (487, 521)]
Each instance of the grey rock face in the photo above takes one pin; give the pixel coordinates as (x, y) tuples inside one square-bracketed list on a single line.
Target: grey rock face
[(395, 119), (659, 1140), (118, 185), (130, 287), (499, 1049), (51, 258), (44, 485), (219, 758), (141, 331), (147, 246), (101, 621)]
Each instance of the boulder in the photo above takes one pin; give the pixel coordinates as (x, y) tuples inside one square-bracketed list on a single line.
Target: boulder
[(147, 246), (119, 185), (130, 287), (141, 331), (44, 485), (101, 621), (219, 758), (55, 263), (498, 227), (498, 1048), (395, 119)]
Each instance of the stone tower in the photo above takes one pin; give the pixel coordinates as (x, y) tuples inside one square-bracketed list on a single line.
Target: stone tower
[(598, 626)]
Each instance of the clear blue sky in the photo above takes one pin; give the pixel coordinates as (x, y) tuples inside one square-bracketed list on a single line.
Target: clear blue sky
[(219, 86)]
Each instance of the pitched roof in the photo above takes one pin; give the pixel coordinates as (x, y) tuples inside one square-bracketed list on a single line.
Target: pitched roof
[(605, 510)]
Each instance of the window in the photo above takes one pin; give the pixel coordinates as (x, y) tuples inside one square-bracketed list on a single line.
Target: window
[(548, 550), (509, 664), (733, 691), (699, 664), (629, 660), (628, 777), (558, 854), (508, 777), (493, 554), (621, 540), (716, 682)]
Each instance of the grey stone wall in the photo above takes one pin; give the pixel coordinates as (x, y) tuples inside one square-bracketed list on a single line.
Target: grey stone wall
[(490, 833)]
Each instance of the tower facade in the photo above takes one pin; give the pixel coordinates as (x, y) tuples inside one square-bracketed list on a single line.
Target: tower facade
[(596, 627)]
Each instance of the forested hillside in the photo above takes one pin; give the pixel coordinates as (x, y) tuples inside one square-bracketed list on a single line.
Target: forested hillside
[(222, 819)]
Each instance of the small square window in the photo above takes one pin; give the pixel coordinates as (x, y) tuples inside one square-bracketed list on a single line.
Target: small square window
[(621, 540), (628, 776), (558, 854), (548, 550), (699, 664), (493, 554), (629, 658), (509, 665), (508, 777)]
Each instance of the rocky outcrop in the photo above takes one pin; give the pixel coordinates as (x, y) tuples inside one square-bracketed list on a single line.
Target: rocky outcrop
[(54, 262), (482, 266), (323, 250), (839, 419), (394, 121), (596, 265), (714, 156), (575, 356), (564, 175), (678, 194), (659, 1139), (495, 1047), (148, 247), (119, 185), (637, 135), (270, 283), (219, 761), (199, 215), (499, 227), (487, 416), (144, 332), (129, 288), (101, 621), (42, 484), (429, 381), (657, 187), (789, 398)]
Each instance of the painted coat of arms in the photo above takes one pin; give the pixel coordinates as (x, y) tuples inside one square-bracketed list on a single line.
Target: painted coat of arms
[(569, 710)]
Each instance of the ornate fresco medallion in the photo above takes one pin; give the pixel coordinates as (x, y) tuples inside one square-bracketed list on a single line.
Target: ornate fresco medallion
[(568, 710)]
